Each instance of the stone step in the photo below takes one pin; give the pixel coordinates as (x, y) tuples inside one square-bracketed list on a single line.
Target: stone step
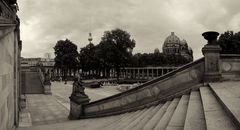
[(195, 116), (145, 119), (156, 118), (135, 122), (125, 117), (215, 116), (103, 122), (162, 124), (228, 95), (178, 119), (124, 123)]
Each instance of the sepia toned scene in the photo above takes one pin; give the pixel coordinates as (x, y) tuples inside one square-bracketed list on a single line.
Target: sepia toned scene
[(119, 65)]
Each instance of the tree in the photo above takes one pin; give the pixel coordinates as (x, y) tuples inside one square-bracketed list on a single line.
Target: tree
[(88, 58), (66, 56), (157, 59), (230, 42), (115, 49)]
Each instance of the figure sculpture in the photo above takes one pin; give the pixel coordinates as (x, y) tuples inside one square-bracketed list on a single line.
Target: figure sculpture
[(78, 93)]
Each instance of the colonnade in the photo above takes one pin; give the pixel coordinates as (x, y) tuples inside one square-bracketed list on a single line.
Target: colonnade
[(144, 72), (125, 73)]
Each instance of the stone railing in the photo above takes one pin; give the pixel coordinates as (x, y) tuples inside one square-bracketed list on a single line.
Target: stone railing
[(154, 91), (45, 80), (41, 75), (230, 66)]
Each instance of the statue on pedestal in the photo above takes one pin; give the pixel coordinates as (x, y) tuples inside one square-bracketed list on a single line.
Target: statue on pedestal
[(78, 95)]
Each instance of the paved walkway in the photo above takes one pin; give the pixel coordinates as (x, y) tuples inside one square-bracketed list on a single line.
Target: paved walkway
[(49, 109), (59, 89), (45, 110)]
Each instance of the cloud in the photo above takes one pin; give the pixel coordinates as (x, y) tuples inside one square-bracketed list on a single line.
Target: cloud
[(43, 22)]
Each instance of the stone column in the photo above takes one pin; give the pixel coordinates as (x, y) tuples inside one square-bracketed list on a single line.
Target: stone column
[(211, 52), (152, 73), (147, 73), (138, 73), (134, 73)]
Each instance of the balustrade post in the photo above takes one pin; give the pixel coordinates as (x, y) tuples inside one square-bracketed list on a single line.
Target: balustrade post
[(211, 52)]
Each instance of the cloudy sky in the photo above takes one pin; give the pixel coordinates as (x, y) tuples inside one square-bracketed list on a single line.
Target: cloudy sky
[(44, 22)]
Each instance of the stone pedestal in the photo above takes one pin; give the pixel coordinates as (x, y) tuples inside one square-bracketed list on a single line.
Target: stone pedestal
[(76, 110), (23, 101), (47, 89), (211, 52)]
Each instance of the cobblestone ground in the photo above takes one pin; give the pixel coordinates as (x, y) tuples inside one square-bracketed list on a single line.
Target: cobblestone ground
[(49, 109)]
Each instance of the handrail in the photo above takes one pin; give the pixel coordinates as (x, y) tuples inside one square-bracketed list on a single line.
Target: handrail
[(42, 78), (230, 56), (146, 84)]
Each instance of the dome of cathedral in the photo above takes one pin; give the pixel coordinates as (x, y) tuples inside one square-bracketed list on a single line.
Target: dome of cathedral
[(171, 40)]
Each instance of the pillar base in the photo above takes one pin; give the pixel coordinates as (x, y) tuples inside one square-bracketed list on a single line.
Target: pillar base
[(23, 101), (75, 111), (47, 90)]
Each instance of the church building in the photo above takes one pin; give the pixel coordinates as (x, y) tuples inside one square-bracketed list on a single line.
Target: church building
[(174, 46)]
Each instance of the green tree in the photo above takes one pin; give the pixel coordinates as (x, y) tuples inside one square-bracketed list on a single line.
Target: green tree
[(115, 49), (66, 56), (230, 42)]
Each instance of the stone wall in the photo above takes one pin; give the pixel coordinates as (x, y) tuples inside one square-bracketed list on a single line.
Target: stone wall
[(230, 67), (9, 79)]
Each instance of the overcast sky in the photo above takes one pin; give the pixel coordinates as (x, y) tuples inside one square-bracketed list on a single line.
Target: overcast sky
[(44, 22)]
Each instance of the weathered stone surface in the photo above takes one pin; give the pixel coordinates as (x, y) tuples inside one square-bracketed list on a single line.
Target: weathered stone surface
[(228, 93), (215, 116), (179, 115), (147, 118), (156, 118), (47, 89), (195, 116), (75, 111), (162, 124)]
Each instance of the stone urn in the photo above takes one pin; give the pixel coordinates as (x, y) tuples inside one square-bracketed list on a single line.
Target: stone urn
[(211, 37)]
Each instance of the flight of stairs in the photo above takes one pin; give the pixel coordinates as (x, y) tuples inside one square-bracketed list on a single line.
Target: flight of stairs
[(213, 107), (32, 83)]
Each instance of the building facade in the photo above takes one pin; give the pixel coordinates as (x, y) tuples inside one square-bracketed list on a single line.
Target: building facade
[(10, 50)]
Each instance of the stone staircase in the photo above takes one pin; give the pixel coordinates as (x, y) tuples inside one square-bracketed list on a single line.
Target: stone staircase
[(214, 107), (32, 83)]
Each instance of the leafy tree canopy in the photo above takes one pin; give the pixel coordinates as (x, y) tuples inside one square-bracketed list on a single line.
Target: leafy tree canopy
[(115, 48), (65, 54), (230, 42)]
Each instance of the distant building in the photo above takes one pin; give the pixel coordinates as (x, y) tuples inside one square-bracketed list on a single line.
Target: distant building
[(28, 62), (174, 46)]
